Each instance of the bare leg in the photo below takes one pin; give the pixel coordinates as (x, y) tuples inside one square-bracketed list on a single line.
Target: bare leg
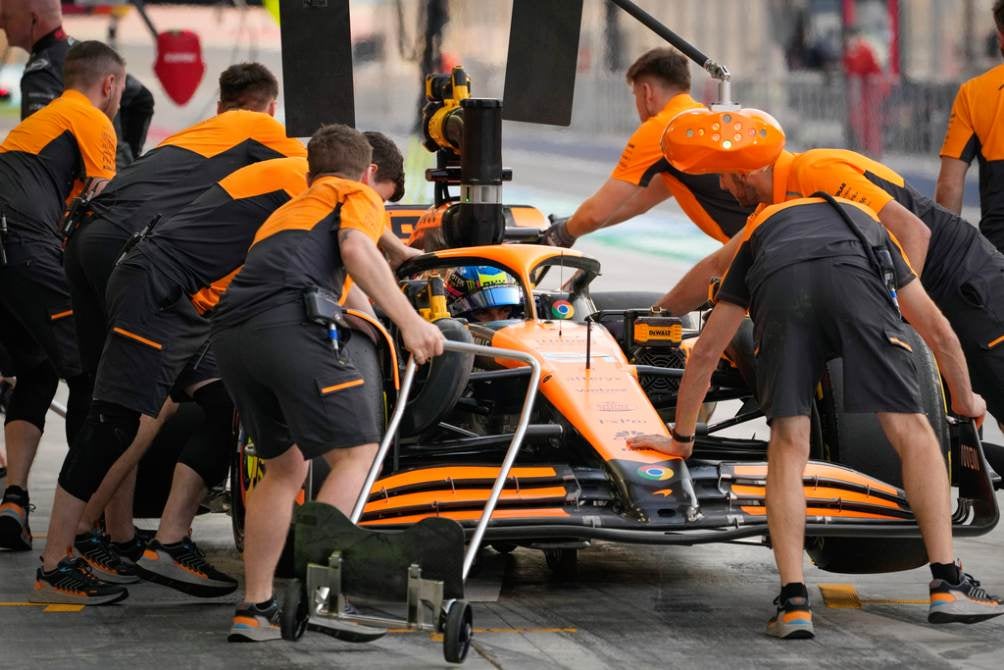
[(269, 510), (118, 513), (348, 474), (925, 480), (148, 429), (787, 456), (22, 440), (66, 511), (187, 492)]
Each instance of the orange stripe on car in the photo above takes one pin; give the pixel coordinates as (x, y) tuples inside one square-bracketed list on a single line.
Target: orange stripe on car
[(61, 315), (472, 515), (459, 474), (139, 338), (340, 387)]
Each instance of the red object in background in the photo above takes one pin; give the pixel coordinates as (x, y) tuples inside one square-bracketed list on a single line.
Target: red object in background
[(179, 65)]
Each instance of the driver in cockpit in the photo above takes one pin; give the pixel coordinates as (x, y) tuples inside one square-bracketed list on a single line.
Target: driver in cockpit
[(482, 293)]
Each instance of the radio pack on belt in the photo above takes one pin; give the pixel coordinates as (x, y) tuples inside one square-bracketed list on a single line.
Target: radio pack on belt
[(137, 238), (322, 308)]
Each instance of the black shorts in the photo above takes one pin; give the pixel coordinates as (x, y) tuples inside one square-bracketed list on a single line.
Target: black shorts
[(974, 305), (89, 261), (812, 312), (157, 344), (290, 388), (35, 296)]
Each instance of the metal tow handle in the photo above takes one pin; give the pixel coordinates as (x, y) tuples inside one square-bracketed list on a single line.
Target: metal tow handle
[(511, 453)]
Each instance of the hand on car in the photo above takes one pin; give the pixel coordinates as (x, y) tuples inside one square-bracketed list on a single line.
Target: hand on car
[(557, 235), (661, 443), (974, 407), (423, 340)]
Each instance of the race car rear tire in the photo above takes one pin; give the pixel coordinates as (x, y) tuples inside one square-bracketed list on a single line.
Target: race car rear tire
[(857, 441)]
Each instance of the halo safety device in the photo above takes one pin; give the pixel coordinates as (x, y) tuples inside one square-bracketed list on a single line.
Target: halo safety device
[(702, 141)]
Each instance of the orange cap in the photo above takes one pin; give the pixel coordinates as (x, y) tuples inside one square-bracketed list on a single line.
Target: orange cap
[(702, 141)]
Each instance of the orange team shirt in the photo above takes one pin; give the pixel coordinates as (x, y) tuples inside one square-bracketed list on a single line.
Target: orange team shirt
[(45, 156), (855, 177), (182, 167), (714, 211), (976, 130), (297, 248), (204, 245)]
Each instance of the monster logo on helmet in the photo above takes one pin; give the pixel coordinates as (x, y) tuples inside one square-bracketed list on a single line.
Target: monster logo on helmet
[(483, 293)]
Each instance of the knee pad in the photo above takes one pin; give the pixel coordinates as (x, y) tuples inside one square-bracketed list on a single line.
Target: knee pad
[(106, 434), (210, 447), (31, 396), (77, 404)]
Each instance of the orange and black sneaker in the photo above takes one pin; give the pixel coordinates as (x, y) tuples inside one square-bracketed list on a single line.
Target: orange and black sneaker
[(183, 566), (95, 549), (255, 623), (965, 602), (71, 582), (15, 534), (793, 620)]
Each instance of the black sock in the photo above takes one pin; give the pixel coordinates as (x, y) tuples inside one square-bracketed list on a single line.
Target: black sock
[(794, 590), (16, 494), (947, 571), (266, 605)]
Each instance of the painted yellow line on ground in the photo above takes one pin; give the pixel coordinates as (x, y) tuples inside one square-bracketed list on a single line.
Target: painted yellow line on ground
[(840, 596), (845, 596), (51, 609), (55, 609)]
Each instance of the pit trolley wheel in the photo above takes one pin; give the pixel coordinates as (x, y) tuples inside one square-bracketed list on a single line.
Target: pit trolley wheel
[(293, 620), (458, 630)]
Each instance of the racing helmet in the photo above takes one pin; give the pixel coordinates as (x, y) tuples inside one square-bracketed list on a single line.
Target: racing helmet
[(703, 141), (473, 288)]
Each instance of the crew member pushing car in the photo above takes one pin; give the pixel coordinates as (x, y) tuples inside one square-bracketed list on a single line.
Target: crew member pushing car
[(958, 267), (42, 159), (822, 279), (660, 82), (276, 335)]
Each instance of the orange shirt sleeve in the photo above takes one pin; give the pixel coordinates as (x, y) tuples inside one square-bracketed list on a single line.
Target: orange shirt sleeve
[(363, 210), (840, 179), (960, 137), (642, 155), (95, 137)]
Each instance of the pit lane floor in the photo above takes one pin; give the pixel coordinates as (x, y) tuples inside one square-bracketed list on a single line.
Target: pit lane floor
[(631, 606)]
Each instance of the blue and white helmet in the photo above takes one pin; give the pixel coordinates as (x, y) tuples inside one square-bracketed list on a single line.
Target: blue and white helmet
[(476, 287)]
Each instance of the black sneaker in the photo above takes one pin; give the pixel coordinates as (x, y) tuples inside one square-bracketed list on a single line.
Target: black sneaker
[(965, 602), (793, 620), (183, 567), (15, 533), (73, 583), (97, 552), (130, 551), (252, 624)]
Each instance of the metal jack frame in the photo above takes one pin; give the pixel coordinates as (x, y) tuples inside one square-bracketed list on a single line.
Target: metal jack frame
[(325, 603)]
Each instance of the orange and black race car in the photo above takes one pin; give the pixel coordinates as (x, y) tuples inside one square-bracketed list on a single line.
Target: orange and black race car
[(609, 370)]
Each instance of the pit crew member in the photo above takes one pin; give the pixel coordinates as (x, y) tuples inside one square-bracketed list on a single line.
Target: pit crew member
[(298, 397), (41, 160), (36, 26), (959, 268), (156, 186), (811, 274), (660, 82), (976, 130)]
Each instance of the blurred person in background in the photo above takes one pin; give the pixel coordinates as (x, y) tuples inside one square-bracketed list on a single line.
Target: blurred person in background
[(976, 131)]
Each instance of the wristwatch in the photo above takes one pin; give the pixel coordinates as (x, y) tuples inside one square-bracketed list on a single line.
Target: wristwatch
[(682, 439)]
